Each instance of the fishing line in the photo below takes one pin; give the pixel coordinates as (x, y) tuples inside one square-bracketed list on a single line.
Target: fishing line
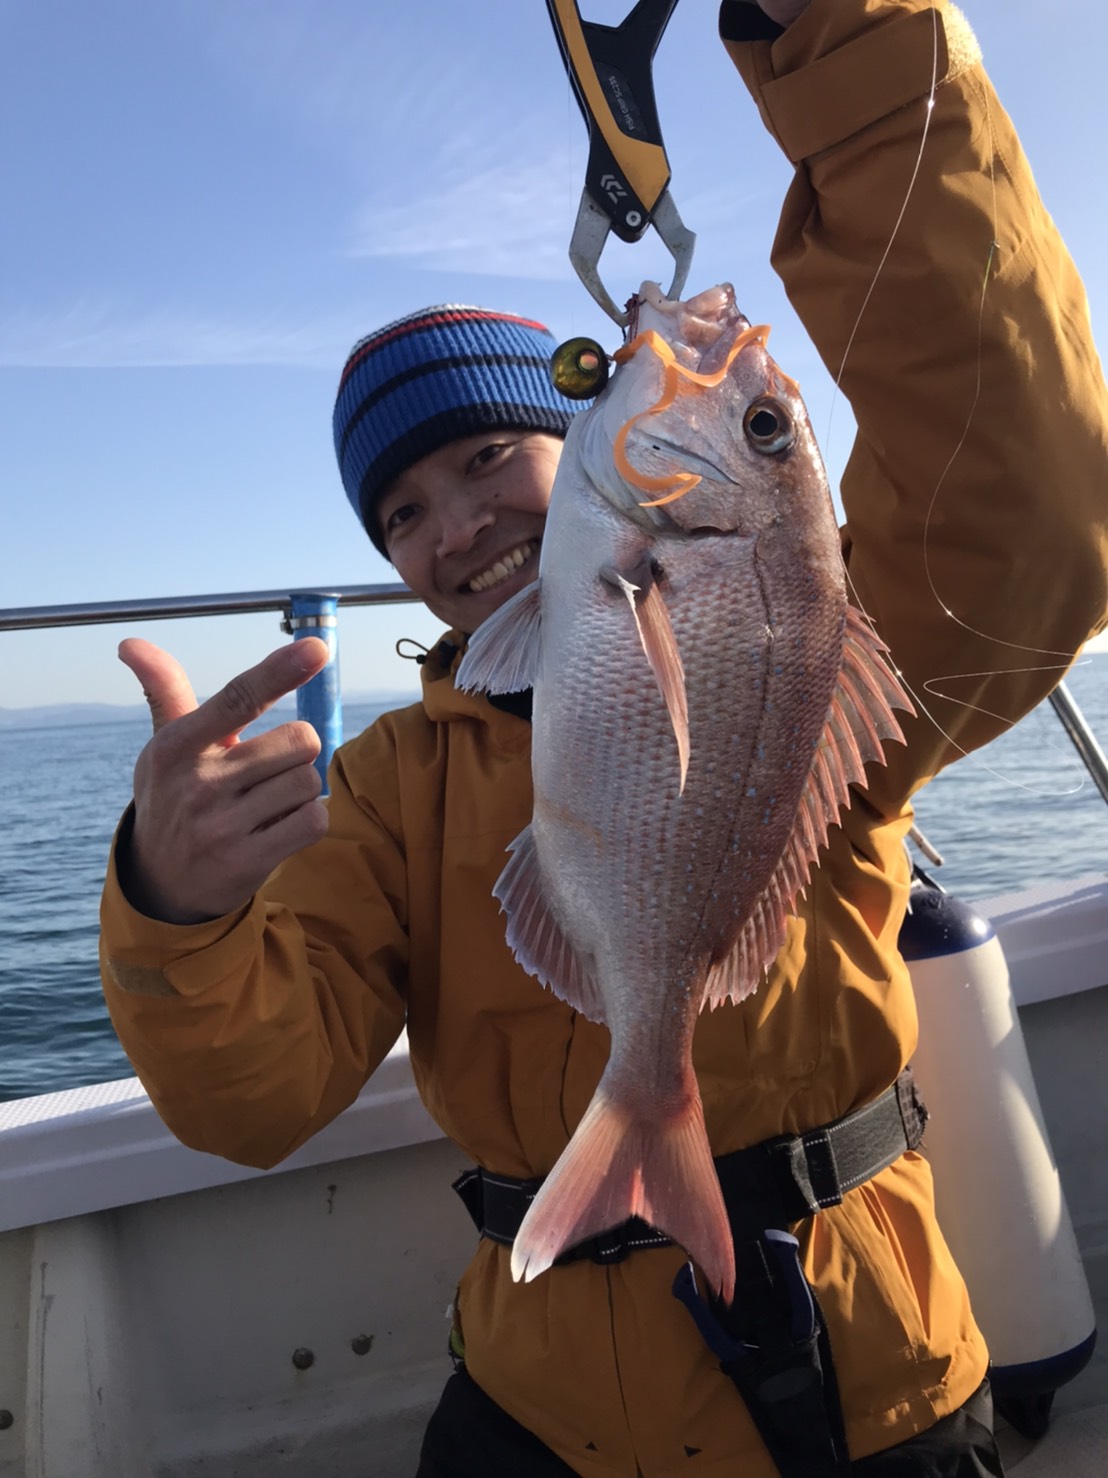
[(897, 223), (929, 686), (838, 390), (572, 187), (994, 247)]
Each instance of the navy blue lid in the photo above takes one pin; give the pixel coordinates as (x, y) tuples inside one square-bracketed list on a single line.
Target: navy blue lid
[(937, 924)]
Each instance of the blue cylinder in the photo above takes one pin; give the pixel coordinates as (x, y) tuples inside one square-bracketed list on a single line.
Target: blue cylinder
[(319, 701)]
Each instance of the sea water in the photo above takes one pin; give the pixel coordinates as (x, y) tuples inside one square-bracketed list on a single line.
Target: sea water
[(1021, 812)]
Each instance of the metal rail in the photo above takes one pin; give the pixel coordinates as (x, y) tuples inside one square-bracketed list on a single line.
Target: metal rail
[(1084, 741), (327, 713), (33, 618), (303, 613)]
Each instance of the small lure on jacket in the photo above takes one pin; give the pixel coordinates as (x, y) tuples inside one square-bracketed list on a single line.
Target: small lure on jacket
[(704, 696)]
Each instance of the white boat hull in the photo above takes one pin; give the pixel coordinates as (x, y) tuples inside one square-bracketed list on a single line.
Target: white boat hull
[(152, 1300)]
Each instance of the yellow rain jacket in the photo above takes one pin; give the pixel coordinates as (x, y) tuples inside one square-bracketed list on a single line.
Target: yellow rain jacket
[(977, 487)]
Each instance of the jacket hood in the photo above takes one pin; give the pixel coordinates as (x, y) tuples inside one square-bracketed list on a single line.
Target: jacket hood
[(443, 702)]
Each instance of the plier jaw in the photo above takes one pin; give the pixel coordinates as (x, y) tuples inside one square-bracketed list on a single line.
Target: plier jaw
[(591, 231), (627, 178)]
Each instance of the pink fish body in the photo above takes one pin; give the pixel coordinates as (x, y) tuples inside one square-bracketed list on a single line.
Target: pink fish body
[(703, 698)]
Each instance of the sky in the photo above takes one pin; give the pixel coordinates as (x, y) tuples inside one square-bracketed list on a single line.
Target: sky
[(204, 203)]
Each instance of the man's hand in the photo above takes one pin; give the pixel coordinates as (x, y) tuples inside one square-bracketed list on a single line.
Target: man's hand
[(784, 12), (213, 815)]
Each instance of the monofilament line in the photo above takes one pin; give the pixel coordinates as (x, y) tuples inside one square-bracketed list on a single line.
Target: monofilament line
[(899, 220), (929, 687)]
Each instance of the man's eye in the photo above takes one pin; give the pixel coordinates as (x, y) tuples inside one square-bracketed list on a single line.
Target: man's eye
[(398, 516), (487, 454)]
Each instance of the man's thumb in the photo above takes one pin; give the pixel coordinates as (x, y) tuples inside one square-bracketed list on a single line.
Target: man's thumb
[(164, 681)]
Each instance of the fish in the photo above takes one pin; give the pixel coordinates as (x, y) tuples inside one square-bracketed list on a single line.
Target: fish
[(704, 695)]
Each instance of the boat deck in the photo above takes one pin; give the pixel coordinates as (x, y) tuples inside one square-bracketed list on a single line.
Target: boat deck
[(1076, 1446), (1066, 1042), (112, 1234)]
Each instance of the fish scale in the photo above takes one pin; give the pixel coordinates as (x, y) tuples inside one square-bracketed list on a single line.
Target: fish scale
[(675, 826), (703, 699)]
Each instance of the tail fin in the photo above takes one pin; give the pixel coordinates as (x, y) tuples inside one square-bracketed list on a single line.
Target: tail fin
[(616, 1166)]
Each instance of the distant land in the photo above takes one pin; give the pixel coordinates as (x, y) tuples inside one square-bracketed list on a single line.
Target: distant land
[(58, 715), (62, 715)]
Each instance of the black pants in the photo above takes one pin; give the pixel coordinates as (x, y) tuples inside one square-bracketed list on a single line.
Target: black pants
[(469, 1436)]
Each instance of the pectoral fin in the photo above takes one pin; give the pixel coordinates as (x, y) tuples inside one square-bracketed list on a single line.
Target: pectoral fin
[(660, 645), (503, 653), (860, 719)]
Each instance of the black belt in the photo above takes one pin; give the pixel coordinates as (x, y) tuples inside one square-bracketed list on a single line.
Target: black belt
[(772, 1339), (772, 1184)]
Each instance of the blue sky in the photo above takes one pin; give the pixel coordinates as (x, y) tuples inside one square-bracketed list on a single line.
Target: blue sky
[(205, 202)]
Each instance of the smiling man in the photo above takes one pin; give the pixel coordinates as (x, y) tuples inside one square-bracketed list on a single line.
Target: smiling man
[(448, 433), (262, 951)]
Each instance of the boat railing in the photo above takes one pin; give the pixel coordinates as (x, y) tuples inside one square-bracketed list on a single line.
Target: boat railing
[(1081, 736), (307, 612), (314, 612)]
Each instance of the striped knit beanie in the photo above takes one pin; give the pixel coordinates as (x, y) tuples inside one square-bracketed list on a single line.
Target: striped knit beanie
[(430, 378)]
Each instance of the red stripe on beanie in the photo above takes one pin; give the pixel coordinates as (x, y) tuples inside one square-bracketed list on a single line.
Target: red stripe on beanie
[(432, 320)]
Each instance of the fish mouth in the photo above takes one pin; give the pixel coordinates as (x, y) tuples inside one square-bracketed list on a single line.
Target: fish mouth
[(699, 329), (502, 568)]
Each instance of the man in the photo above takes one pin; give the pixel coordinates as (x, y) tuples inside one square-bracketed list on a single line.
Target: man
[(255, 1005)]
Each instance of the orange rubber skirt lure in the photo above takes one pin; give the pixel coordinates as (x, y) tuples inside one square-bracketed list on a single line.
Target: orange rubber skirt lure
[(677, 378)]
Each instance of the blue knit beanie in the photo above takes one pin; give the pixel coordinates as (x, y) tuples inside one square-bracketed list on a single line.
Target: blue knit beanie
[(428, 379)]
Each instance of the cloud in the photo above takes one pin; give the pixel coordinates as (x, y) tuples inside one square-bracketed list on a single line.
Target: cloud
[(106, 336), (364, 85), (496, 218)]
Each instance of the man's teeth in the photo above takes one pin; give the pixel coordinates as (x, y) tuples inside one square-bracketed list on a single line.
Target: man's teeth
[(504, 567)]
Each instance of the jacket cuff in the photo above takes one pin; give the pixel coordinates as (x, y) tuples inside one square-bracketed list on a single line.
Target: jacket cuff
[(139, 953), (745, 20), (845, 64)]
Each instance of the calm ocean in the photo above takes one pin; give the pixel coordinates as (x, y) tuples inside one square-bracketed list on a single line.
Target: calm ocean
[(1021, 813)]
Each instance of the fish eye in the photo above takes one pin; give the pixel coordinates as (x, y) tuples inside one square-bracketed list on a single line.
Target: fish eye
[(768, 426), (579, 369)]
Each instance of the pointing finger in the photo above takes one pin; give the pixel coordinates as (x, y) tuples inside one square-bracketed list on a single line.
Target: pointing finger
[(246, 697), (164, 681)]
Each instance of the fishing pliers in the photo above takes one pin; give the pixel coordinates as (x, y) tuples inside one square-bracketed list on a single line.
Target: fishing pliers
[(627, 178)]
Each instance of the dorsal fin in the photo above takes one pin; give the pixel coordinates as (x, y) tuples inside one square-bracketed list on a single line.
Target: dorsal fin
[(535, 937), (860, 718), (503, 653)]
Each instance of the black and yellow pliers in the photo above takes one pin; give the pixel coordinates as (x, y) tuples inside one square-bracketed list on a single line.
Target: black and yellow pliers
[(627, 178)]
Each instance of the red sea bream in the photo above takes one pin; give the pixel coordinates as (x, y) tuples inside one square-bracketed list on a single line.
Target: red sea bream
[(703, 697)]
